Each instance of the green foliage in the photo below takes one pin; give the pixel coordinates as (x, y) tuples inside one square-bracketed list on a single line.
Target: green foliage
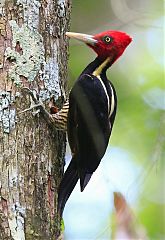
[(62, 226)]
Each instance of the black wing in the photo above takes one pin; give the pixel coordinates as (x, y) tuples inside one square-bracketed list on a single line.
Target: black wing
[(88, 124)]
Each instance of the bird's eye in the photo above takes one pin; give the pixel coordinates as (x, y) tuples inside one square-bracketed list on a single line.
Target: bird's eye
[(107, 39)]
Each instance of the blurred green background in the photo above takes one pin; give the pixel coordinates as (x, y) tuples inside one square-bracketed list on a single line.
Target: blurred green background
[(138, 78)]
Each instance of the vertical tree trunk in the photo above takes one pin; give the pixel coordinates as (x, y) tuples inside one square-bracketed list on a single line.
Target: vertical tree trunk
[(33, 54)]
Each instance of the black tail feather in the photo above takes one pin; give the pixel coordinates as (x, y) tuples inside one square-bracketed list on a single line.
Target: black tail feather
[(84, 179), (67, 185)]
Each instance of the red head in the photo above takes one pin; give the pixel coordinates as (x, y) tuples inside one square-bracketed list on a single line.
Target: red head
[(106, 44)]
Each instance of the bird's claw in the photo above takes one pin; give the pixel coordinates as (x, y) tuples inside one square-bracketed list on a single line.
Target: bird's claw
[(33, 93), (38, 105), (32, 107), (35, 98)]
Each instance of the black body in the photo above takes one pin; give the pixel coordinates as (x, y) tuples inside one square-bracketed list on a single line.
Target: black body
[(89, 127)]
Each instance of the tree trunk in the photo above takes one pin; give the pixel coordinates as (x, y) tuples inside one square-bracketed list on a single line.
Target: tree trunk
[(33, 54)]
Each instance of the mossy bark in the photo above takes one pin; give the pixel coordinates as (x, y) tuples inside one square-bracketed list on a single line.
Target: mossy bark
[(33, 54)]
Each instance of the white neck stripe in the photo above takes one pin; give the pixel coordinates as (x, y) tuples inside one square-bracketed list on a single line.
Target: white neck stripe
[(105, 90), (112, 101)]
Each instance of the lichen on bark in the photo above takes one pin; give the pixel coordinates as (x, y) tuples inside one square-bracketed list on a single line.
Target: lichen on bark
[(26, 53)]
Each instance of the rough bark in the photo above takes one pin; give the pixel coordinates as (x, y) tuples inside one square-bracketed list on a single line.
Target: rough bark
[(33, 53)]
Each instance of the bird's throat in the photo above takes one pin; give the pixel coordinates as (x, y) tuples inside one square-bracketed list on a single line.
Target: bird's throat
[(101, 67)]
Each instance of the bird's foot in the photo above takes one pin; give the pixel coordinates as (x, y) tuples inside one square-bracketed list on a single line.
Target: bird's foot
[(38, 105), (35, 103)]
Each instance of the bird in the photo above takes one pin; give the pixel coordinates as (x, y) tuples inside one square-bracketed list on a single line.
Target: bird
[(91, 111)]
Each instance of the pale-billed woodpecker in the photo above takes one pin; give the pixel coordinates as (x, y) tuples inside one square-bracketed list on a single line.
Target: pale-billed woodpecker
[(89, 114), (92, 109)]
